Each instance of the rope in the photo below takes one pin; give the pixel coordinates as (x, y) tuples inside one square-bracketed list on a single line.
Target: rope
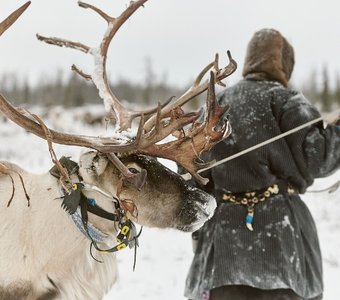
[(330, 189), (187, 176), (280, 136)]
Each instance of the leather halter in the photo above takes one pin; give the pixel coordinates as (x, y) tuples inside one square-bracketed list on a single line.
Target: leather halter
[(78, 206)]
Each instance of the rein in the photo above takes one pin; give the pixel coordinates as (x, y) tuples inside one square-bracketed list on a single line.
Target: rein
[(187, 176)]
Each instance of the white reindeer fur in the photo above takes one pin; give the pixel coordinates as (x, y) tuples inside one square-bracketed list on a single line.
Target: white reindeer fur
[(42, 250), (42, 230)]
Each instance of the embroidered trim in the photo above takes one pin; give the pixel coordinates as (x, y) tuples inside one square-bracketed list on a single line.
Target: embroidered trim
[(96, 235)]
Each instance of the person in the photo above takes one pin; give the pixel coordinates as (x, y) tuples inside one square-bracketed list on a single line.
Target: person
[(262, 241)]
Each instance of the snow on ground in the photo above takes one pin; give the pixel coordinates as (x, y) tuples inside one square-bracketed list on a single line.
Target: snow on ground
[(164, 256)]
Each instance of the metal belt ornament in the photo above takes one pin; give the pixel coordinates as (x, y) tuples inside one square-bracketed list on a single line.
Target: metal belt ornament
[(250, 200)]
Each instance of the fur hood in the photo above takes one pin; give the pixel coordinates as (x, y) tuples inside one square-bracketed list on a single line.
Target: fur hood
[(269, 57)]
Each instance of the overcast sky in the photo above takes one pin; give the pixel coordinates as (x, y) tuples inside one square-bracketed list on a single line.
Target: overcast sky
[(179, 36)]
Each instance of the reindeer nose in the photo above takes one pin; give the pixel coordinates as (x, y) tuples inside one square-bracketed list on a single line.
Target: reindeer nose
[(200, 208), (208, 206), (204, 202)]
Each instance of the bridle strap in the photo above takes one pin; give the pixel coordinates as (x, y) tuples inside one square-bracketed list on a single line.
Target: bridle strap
[(123, 237), (95, 209)]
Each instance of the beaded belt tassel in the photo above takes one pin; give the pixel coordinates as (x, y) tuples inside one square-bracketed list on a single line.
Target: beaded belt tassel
[(250, 200)]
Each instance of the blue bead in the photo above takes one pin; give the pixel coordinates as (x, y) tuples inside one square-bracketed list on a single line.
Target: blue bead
[(91, 201), (249, 219)]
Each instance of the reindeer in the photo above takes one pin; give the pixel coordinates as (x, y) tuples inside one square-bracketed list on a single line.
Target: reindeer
[(59, 230)]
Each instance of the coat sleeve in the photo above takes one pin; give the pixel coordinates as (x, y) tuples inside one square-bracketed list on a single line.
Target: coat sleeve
[(322, 150), (315, 148)]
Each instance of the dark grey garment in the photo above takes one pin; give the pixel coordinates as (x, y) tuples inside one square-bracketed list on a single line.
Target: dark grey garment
[(283, 250), (241, 292)]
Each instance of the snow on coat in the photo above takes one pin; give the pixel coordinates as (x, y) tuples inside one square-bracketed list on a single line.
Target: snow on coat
[(283, 250)]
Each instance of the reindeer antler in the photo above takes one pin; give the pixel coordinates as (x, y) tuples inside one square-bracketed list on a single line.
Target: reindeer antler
[(196, 135), (198, 138), (121, 114), (5, 24)]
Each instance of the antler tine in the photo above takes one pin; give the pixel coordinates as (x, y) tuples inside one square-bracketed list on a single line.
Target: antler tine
[(105, 16), (198, 138), (63, 43), (116, 23), (229, 69), (220, 74), (202, 73), (113, 105), (123, 116), (211, 97), (5, 24), (198, 88)]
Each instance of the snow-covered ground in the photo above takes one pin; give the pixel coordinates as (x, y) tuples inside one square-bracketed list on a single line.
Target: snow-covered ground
[(164, 256)]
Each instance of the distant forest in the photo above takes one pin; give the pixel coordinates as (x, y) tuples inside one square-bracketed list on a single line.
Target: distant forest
[(75, 91), (322, 93)]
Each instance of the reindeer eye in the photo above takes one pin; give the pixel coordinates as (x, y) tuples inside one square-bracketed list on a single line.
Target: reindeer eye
[(133, 170)]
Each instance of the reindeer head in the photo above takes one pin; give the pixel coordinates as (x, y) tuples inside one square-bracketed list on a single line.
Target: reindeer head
[(162, 198)]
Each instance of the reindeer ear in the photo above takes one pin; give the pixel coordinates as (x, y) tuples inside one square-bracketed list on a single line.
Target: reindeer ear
[(92, 163)]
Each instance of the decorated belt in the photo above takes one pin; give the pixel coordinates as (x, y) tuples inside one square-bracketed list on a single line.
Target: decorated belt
[(250, 199)]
